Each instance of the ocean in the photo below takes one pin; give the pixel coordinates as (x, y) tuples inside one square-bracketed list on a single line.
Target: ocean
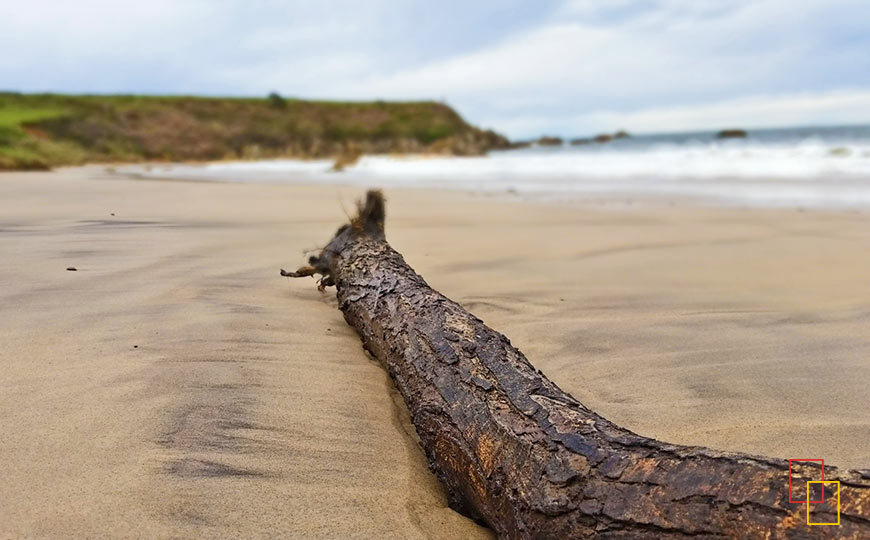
[(826, 167)]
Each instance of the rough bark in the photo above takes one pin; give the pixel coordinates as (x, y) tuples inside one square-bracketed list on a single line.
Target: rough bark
[(516, 452)]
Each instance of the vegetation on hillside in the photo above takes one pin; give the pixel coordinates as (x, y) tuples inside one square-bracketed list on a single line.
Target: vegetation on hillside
[(38, 131)]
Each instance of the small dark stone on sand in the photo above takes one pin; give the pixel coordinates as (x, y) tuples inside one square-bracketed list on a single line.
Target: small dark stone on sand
[(113, 213), (135, 346), (72, 269)]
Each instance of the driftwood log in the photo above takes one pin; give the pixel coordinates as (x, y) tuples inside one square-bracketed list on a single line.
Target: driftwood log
[(516, 452)]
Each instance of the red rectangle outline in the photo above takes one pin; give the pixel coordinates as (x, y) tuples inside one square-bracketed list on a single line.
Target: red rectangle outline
[(789, 482)]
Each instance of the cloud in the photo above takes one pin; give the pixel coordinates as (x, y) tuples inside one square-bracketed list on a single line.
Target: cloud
[(605, 64), (524, 68)]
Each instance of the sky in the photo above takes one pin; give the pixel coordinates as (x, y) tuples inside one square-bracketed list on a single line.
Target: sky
[(572, 67)]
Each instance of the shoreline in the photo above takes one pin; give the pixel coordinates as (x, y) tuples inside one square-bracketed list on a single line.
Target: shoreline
[(820, 192), (247, 405)]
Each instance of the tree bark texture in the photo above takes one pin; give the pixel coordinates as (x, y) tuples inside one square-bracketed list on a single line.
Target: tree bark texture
[(516, 452)]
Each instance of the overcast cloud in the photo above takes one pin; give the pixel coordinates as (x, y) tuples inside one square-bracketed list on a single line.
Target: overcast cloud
[(524, 68)]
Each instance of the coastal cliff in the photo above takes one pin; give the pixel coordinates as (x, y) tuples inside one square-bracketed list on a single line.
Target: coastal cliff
[(38, 131)]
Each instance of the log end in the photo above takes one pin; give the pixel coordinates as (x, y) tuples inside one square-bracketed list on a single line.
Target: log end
[(369, 221)]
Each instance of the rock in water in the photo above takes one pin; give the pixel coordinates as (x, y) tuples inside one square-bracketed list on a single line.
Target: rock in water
[(731, 134), (549, 141)]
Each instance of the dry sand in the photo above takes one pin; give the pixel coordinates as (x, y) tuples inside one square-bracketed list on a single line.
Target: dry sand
[(176, 386)]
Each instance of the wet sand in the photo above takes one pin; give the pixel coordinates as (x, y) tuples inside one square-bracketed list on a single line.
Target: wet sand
[(176, 386)]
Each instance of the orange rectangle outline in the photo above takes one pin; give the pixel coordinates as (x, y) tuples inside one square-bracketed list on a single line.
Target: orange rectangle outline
[(838, 500)]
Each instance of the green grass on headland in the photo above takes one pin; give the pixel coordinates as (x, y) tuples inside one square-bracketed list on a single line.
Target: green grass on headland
[(12, 117), (39, 131)]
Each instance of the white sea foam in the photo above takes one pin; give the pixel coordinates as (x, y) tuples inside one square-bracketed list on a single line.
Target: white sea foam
[(808, 172)]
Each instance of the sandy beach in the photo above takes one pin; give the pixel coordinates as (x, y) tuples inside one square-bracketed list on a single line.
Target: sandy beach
[(175, 386)]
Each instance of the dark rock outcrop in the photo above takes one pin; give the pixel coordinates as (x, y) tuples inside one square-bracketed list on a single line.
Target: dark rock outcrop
[(550, 141), (601, 138), (580, 141), (731, 134)]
